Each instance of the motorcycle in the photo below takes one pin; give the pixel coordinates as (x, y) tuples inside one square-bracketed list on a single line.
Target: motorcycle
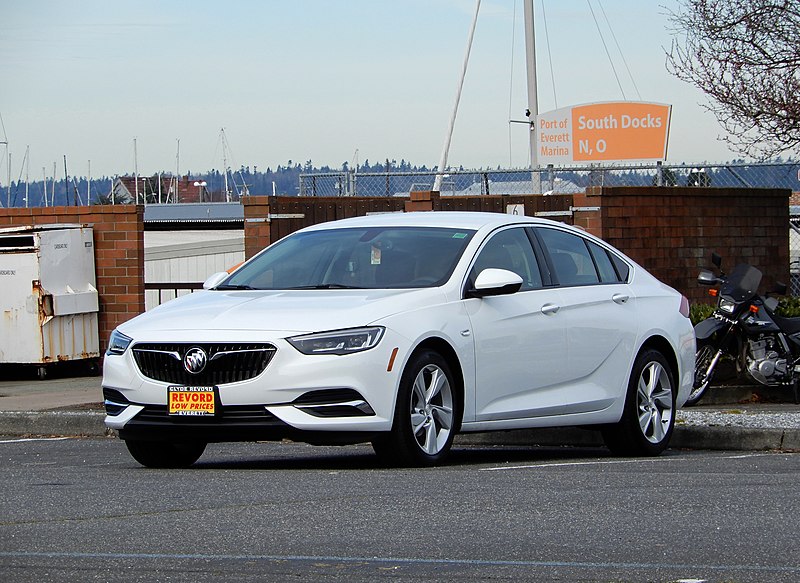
[(745, 327)]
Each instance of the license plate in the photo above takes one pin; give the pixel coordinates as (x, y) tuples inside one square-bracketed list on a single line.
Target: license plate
[(191, 400)]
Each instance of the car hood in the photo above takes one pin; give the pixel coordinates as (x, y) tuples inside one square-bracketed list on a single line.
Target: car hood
[(292, 311)]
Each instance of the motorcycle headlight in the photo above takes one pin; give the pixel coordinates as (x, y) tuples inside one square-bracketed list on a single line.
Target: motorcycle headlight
[(118, 343), (726, 305), (339, 341)]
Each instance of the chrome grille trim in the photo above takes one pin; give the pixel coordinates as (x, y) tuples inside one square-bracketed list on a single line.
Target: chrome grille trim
[(228, 362)]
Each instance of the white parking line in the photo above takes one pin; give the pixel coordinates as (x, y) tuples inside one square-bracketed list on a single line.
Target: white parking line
[(567, 464), (23, 440), (614, 462)]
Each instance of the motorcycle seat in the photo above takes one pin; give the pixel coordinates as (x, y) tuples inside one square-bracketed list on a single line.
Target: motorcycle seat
[(788, 325)]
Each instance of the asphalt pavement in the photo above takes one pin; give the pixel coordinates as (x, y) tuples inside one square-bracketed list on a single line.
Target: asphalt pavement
[(738, 418)]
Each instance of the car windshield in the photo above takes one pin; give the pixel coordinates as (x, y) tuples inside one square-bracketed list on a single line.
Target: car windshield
[(357, 258)]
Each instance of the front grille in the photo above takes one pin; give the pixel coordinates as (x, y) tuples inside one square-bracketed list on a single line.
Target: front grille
[(227, 363)]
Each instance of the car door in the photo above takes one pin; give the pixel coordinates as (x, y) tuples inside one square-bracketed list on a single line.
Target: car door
[(598, 311), (520, 344)]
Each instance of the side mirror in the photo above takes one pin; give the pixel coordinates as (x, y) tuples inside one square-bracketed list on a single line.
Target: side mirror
[(779, 289), (215, 279), (707, 278), (716, 260), (495, 282)]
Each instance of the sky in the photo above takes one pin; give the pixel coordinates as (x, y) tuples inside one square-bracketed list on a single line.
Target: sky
[(320, 80)]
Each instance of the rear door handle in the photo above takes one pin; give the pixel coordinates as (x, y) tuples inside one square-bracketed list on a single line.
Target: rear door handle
[(620, 298), (550, 309)]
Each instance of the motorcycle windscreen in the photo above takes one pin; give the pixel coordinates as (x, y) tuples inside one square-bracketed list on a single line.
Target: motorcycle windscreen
[(742, 283)]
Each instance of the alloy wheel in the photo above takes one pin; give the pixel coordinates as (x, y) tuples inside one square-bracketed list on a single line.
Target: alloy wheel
[(654, 402), (431, 409)]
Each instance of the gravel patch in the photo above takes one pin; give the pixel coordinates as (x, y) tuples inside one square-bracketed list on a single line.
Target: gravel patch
[(739, 418)]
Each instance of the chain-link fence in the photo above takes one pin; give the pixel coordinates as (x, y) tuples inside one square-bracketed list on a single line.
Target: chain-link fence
[(794, 256), (552, 180)]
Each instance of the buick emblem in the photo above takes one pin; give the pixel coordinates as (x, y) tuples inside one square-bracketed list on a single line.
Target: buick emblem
[(195, 360)]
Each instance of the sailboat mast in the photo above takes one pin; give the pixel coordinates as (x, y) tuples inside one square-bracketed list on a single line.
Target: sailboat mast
[(225, 163), (27, 174), (533, 100), (437, 183)]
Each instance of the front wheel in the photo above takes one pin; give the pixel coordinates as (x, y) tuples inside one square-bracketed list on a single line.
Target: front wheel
[(425, 414), (649, 414), (158, 454), (704, 366)]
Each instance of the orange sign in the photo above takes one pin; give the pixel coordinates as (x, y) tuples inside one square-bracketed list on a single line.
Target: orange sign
[(603, 132)]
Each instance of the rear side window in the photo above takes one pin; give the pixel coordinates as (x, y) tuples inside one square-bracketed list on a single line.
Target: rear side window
[(604, 265), (570, 257), (623, 270)]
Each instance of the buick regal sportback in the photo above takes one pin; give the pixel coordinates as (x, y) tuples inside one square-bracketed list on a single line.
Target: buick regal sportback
[(403, 330)]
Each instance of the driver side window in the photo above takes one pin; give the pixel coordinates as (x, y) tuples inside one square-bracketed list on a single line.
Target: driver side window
[(511, 250)]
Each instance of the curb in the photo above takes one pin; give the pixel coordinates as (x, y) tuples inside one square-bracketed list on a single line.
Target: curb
[(60, 423), (90, 424)]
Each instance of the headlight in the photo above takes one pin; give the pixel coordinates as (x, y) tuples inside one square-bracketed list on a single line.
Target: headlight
[(339, 341), (726, 305), (118, 343)]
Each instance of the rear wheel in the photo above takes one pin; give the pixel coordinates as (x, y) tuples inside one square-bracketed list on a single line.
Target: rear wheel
[(425, 414), (649, 415), (161, 454)]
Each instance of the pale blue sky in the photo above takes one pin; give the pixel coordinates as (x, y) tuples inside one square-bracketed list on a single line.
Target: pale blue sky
[(312, 79)]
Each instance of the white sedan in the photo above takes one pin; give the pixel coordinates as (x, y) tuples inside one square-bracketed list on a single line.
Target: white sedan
[(403, 330)]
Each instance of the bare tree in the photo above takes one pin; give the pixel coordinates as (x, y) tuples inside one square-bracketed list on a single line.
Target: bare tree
[(745, 55)]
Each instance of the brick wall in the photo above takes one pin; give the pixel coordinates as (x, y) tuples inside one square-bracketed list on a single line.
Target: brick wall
[(269, 218), (119, 254), (673, 231)]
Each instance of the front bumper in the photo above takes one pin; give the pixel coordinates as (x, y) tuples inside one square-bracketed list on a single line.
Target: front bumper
[(318, 399)]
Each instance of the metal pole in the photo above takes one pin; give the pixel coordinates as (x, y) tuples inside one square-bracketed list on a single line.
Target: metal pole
[(533, 100), (437, 183), (66, 180), (27, 177), (136, 170)]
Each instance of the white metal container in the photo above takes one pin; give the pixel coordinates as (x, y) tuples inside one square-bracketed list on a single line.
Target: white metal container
[(48, 295)]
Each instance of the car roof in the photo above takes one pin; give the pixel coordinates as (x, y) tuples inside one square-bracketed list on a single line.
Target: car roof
[(449, 219)]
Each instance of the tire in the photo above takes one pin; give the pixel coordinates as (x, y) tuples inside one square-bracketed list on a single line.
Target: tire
[(649, 414), (703, 357), (162, 454), (425, 415)]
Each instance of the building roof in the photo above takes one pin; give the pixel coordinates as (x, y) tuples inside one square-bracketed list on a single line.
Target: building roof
[(218, 215)]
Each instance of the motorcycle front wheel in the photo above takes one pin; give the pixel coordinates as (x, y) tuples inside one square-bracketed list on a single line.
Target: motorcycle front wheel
[(702, 375)]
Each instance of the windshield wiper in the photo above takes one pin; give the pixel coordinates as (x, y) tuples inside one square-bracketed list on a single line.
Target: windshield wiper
[(328, 286), (233, 286)]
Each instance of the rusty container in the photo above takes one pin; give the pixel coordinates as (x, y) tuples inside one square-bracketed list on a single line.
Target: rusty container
[(48, 295)]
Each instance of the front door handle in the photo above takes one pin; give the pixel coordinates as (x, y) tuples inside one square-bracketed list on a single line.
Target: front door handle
[(620, 298), (550, 309)]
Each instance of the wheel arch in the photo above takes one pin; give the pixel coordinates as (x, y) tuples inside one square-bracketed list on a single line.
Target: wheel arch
[(662, 345), (443, 347)]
